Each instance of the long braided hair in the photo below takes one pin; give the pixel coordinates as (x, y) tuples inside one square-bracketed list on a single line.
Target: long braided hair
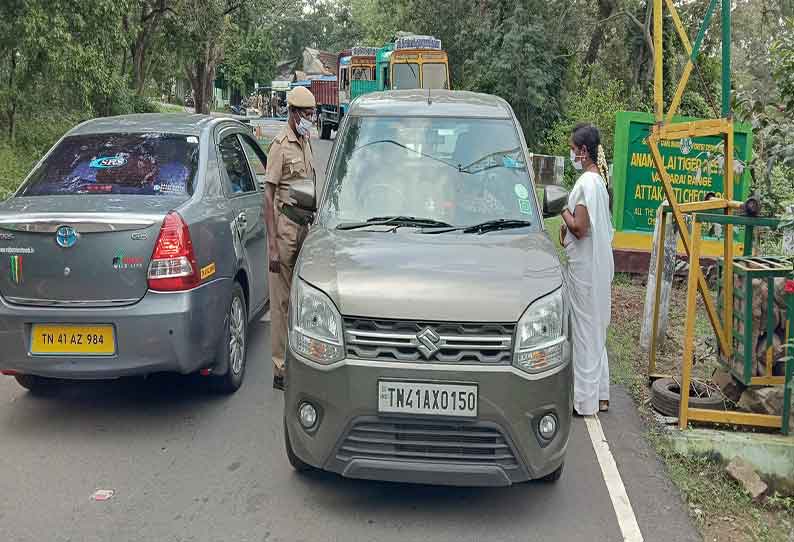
[(588, 136)]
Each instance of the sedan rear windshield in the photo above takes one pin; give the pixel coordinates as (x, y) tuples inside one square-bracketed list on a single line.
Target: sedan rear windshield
[(152, 164)]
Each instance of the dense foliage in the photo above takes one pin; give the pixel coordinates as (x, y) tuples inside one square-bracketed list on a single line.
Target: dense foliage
[(557, 63)]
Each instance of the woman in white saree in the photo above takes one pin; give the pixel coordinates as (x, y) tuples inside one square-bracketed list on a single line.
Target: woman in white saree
[(587, 237)]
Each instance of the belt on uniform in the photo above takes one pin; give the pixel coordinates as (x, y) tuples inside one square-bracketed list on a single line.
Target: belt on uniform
[(298, 216)]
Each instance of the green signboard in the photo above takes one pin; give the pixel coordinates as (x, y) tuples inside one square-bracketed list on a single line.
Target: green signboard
[(694, 165)]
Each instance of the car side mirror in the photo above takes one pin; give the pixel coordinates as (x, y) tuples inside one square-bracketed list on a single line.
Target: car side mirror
[(303, 194), (554, 200)]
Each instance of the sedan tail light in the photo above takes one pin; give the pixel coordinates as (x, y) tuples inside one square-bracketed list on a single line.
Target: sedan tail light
[(173, 265)]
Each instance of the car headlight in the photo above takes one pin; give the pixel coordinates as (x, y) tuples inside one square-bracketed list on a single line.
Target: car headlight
[(539, 335), (315, 325)]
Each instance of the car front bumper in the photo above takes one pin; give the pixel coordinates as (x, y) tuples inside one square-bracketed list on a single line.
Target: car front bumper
[(173, 332), (498, 448)]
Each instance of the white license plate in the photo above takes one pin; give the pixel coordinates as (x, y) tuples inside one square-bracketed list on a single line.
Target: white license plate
[(427, 399)]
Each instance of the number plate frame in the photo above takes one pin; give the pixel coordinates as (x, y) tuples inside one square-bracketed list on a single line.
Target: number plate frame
[(108, 331), (450, 387)]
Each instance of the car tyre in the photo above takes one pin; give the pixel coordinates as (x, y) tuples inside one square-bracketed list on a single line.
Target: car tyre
[(37, 385), (297, 463), (666, 398), (233, 347), (554, 476)]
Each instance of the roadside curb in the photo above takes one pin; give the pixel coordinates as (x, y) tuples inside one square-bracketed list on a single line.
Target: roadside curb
[(771, 455)]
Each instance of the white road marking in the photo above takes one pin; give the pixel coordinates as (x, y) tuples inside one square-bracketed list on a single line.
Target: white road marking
[(617, 491)]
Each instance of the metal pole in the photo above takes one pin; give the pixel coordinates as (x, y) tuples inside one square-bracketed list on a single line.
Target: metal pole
[(726, 58)]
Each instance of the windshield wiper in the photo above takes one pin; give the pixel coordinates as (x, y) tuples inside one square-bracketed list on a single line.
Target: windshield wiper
[(484, 227), (395, 221)]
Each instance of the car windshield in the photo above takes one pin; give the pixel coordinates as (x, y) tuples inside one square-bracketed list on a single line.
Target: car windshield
[(434, 76), (406, 76), (458, 171), (151, 163)]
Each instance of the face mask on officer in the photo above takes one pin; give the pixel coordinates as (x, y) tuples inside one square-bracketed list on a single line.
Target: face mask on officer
[(302, 125)]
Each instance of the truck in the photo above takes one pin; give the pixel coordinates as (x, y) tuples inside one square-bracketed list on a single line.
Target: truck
[(355, 76), (412, 62), (326, 94)]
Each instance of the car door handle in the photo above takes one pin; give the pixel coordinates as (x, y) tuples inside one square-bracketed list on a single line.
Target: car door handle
[(242, 219)]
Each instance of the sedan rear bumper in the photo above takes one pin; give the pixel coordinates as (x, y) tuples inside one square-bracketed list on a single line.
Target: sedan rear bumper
[(174, 332)]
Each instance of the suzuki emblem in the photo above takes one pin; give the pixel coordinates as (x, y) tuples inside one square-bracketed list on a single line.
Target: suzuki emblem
[(428, 342)]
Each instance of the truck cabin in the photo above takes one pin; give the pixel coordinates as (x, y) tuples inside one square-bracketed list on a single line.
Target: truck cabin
[(413, 62)]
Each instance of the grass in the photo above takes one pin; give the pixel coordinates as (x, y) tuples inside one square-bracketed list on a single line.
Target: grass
[(170, 108)]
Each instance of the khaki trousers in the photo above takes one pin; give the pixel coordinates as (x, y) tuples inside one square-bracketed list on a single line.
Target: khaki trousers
[(289, 239)]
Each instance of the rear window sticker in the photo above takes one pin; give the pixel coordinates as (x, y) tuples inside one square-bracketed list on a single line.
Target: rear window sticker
[(521, 191), (523, 207), (192, 139), (17, 250), (107, 162)]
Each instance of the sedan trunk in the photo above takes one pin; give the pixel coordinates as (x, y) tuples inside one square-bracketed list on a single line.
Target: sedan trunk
[(81, 251)]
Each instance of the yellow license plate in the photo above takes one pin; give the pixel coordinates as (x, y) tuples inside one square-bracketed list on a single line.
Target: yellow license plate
[(96, 340)]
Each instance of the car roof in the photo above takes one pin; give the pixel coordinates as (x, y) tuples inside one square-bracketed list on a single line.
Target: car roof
[(172, 123), (435, 103)]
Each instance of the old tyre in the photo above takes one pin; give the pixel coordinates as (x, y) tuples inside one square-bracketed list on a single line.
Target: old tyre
[(296, 462), (554, 476), (37, 385), (233, 346), (666, 398)]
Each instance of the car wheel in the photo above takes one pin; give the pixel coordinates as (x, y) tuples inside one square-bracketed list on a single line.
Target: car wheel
[(37, 385), (666, 397), (554, 476), (233, 347), (297, 463)]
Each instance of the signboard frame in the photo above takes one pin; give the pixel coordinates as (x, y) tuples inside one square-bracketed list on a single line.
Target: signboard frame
[(621, 181)]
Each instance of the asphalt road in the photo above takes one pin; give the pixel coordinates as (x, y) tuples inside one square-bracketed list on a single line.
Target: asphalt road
[(187, 465)]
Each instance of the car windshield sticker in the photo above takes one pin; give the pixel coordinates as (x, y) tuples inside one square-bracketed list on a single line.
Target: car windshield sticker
[(192, 139), (208, 271), (107, 162), (523, 207), (6, 236), (17, 250), (512, 163), (521, 191)]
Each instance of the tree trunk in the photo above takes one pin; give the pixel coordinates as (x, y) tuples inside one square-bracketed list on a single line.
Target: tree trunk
[(12, 106), (605, 10)]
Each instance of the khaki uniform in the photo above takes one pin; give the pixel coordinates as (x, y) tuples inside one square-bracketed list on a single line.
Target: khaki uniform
[(290, 159)]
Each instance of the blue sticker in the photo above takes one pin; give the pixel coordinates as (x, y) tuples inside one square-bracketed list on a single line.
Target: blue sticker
[(107, 162), (511, 163)]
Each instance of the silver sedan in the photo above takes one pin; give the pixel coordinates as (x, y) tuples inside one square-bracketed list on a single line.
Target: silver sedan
[(137, 245)]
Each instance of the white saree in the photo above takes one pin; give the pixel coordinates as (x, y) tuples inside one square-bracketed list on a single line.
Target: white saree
[(590, 272)]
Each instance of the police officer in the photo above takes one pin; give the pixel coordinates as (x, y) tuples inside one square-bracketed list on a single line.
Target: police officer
[(290, 159)]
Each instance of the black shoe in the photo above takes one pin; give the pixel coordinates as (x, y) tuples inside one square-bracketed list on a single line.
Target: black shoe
[(278, 382)]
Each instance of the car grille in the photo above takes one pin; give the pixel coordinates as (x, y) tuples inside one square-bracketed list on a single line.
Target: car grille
[(420, 440), (399, 340)]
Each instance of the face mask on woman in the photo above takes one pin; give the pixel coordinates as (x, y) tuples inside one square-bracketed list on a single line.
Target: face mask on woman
[(577, 164)]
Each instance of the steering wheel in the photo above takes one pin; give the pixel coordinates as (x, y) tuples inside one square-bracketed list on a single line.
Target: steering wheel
[(377, 190)]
